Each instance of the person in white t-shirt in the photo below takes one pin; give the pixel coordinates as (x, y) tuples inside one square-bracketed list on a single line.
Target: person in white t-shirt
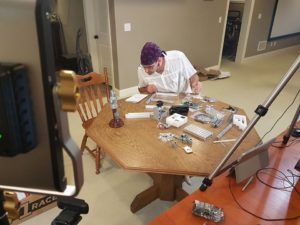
[(169, 71)]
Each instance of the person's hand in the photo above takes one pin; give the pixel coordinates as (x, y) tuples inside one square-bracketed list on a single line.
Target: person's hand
[(197, 88), (151, 88)]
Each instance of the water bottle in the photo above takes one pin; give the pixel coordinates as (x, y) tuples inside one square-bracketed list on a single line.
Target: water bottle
[(116, 121)]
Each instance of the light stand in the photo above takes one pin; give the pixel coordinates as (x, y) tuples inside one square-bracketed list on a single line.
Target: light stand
[(292, 132), (286, 137), (261, 110), (72, 208)]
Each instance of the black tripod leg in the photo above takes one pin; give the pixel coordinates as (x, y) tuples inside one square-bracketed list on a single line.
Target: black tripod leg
[(286, 137), (3, 214)]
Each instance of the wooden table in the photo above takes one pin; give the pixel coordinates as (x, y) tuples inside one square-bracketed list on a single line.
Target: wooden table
[(136, 146), (257, 198)]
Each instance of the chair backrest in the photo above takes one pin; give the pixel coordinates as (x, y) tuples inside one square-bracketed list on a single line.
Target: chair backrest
[(90, 88)]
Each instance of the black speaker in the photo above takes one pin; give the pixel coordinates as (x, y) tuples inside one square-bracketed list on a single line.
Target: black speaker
[(17, 130)]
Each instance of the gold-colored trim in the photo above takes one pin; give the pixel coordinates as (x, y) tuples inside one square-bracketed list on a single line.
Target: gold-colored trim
[(67, 90), (11, 205)]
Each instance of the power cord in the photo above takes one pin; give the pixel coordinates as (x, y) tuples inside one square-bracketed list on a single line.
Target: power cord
[(282, 114), (281, 146), (286, 182), (284, 178), (259, 217)]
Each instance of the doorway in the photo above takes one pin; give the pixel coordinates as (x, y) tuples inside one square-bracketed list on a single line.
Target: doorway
[(97, 22), (233, 29), (247, 12)]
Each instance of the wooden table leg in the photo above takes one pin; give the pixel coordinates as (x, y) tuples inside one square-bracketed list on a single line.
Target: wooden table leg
[(144, 198), (165, 187)]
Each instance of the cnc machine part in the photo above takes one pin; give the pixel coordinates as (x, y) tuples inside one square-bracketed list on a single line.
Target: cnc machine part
[(184, 138), (202, 117), (208, 211), (159, 113)]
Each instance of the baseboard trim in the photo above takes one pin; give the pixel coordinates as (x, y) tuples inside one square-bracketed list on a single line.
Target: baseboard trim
[(123, 93), (216, 67), (271, 53)]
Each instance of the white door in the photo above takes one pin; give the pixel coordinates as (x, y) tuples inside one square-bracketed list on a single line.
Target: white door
[(96, 15)]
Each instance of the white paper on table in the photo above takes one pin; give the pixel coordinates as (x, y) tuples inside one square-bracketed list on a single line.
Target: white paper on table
[(136, 98)]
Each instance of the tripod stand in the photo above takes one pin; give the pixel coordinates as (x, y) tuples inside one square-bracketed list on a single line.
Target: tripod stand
[(72, 208), (292, 131), (295, 132), (261, 110)]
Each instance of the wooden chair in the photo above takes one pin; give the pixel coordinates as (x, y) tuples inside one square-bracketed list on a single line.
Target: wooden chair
[(90, 105)]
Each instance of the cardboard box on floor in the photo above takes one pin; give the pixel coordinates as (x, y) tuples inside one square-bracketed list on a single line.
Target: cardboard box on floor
[(34, 205), (205, 74)]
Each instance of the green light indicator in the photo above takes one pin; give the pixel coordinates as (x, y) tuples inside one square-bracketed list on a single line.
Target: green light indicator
[(1, 136)]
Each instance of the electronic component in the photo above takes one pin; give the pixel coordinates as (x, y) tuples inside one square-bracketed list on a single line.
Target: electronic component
[(217, 117), (138, 115), (176, 120), (179, 109), (198, 131), (161, 125), (216, 123), (240, 121), (202, 117), (224, 131), (192, 105), (184, 138), (208, 211), (187, 149), (166, 137), (159, 113)]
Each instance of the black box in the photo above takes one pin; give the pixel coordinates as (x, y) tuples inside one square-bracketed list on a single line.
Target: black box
[(180, 109)]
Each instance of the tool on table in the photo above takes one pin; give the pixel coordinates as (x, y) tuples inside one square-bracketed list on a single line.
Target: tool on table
[(153, 98), (223, 141), (224, 131), (227, 128), (150, 99)]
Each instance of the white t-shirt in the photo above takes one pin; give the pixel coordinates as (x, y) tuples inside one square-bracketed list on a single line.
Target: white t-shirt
[(175, 77)]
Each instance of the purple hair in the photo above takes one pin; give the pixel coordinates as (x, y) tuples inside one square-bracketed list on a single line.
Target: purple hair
[(150, 53)]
